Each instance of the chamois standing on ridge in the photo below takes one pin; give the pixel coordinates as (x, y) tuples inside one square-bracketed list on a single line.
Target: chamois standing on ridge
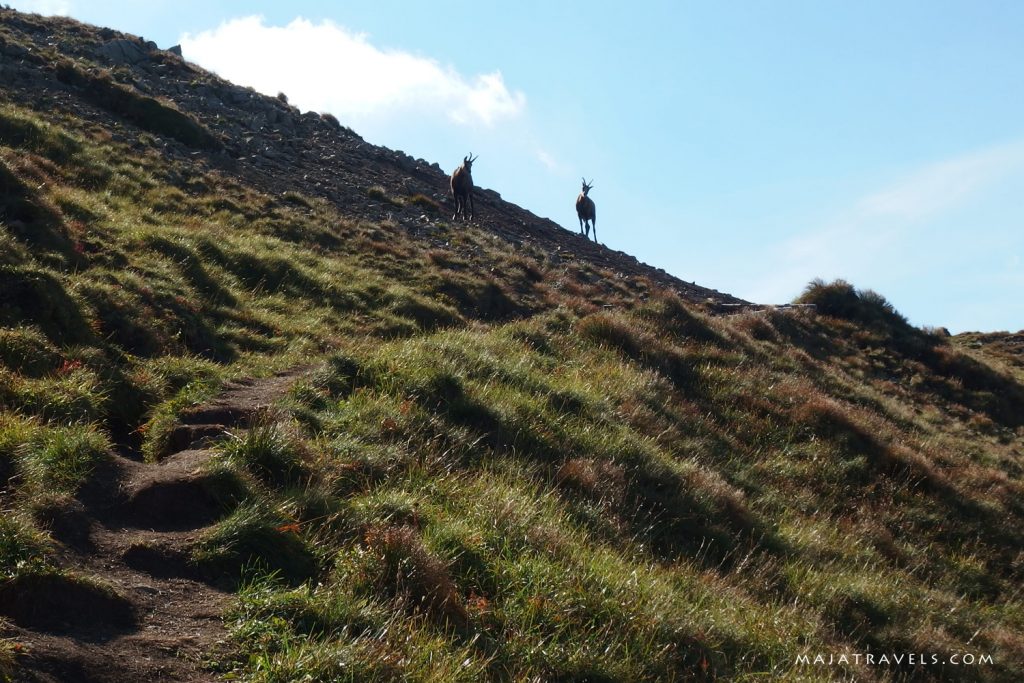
[(586, 210), (462, 187)]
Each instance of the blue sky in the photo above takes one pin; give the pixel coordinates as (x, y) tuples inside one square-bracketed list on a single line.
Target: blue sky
[(748, 146)]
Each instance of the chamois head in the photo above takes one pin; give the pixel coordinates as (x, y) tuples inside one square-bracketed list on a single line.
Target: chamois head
[(587, 187)]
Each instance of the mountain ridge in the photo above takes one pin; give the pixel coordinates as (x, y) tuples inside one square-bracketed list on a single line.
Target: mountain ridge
[(279, 149)]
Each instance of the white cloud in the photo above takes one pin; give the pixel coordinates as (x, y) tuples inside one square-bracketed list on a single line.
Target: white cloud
[(944, 185), (549, 161), (47, 8), (326, 67)]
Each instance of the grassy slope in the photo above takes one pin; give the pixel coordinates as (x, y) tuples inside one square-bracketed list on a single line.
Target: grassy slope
[(493, 476)]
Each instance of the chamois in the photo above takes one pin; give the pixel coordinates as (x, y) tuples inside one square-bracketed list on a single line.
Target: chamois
[(586, 210), (462, 187)]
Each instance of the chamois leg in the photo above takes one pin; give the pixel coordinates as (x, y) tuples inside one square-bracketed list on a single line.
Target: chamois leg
[(594, 222), (472, 206)]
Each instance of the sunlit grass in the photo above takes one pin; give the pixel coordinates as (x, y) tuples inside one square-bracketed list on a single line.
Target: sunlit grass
[(498, 468)]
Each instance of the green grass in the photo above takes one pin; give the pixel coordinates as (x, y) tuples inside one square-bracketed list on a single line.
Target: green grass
[(48, 459), (502, 469), (425, 203), (10, 650), (485, 488), (62, 458), (270, 453), (156, 432), (256, 539), (147, 112), (378, 192), (21, 547)]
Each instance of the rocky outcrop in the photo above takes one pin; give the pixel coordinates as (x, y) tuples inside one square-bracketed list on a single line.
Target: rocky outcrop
[(124, 51)]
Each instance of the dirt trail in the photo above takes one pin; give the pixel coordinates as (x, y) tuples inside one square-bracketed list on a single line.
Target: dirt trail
[(129, 530)]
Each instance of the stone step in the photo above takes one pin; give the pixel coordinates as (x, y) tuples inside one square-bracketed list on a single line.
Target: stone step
[(175, 504), (188, 436)]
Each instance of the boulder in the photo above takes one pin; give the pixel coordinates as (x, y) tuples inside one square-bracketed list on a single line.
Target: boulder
[(123, 51)]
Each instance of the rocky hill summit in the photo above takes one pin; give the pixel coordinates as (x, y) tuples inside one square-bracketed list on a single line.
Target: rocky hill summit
[(133, 87)]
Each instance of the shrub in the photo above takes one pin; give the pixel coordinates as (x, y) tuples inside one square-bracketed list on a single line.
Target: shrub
[(840, 299), (331, 120)]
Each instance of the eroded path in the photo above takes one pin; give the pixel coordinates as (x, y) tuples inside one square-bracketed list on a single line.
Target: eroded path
[(137, 610)]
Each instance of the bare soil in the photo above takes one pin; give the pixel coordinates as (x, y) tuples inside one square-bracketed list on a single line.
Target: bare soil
[(129, 607)]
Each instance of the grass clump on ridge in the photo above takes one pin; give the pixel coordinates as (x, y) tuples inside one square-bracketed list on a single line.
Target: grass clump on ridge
[(48, 459), (269, 453), (21, 548)]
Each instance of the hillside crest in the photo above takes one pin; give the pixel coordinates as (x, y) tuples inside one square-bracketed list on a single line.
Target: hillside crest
[(264, 140)]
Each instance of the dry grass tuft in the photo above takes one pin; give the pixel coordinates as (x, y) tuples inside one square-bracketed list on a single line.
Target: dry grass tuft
[(409, 571), (600, 480)]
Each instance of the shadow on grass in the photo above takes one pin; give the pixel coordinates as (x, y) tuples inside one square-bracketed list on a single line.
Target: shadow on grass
[(31, 220), (35, 296)]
